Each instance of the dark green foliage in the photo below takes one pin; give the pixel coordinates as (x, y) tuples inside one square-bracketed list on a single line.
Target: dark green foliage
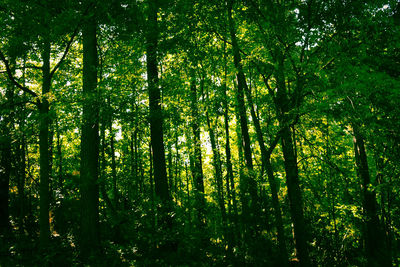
[(199, 133)]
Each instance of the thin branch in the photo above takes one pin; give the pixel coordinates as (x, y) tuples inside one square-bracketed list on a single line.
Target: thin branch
[(71, 40), (273, 144), (68, 46), (327, 64), (12, 78)]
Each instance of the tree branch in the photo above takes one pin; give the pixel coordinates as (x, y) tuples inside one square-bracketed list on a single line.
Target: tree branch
[(71, 40), (273, 144), (12, 78), (68, 46)]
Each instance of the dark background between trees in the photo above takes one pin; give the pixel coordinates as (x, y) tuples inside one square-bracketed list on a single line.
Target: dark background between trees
[(194, 132)]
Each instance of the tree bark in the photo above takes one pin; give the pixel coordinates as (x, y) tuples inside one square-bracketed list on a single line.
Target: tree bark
[(156, 116), (218, 169), (248, 185), (90, 240), (44, 147), (283, 107), (5, 161), (60, 158), (197, 173), (265, 158), (375, 246), (113, 160), (230, 184)]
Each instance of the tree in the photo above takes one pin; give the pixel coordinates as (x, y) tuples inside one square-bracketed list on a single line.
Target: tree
[(155, 112), (90, 240)]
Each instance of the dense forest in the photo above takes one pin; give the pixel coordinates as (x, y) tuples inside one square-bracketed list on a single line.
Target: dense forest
[(199, 133)]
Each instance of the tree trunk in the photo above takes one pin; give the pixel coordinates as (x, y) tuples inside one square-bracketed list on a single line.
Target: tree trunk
[(249, 186), (170, 169), (265, 158), (375, 247), (177, 168), (90, 240), (156, 116), (152, 193), (21, 181), (282, 105), (60, 158), (113, 160), (5, 161), (44, 148), (230, 184), (218, 171), (198, 178)]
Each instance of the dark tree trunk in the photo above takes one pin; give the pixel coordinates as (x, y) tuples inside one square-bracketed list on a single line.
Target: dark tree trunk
[(44, 148), (5, 161), (218, 172), (229, 178), (21, 180), (156, 116), (282, 105), (103, 165), (242, 86), (90, 240), (170, 169), (5, 170), (265, 158), (152, 193), (218, 169), (198, 178), (295, 197), (60, 158), (375, 246), (248, 185), (177, 168), (113, 160)]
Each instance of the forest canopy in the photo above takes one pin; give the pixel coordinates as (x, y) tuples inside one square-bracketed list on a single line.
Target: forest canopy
[(199, 133)]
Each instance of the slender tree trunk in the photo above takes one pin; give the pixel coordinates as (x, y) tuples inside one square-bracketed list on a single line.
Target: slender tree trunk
[(295, 197), (177, 167), (265, 158), (282, 105), (52, 185), (133, 163), (5, 170), (113, 160), (170, 169), (249, 186), (188, 204), (90, 239), (152, 193), (385, 218), (198, 178), (5, 161), (218, 170), (375, 250), (230, 184), (44, 147), (60, 158), (21, 180), (22, 165), (156, 116), (103, 165)]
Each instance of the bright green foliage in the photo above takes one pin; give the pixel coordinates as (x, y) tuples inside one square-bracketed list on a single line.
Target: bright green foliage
[(322, 80)]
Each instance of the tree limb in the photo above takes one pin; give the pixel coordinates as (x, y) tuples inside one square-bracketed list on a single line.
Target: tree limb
[(12, 78), (67, 47)]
